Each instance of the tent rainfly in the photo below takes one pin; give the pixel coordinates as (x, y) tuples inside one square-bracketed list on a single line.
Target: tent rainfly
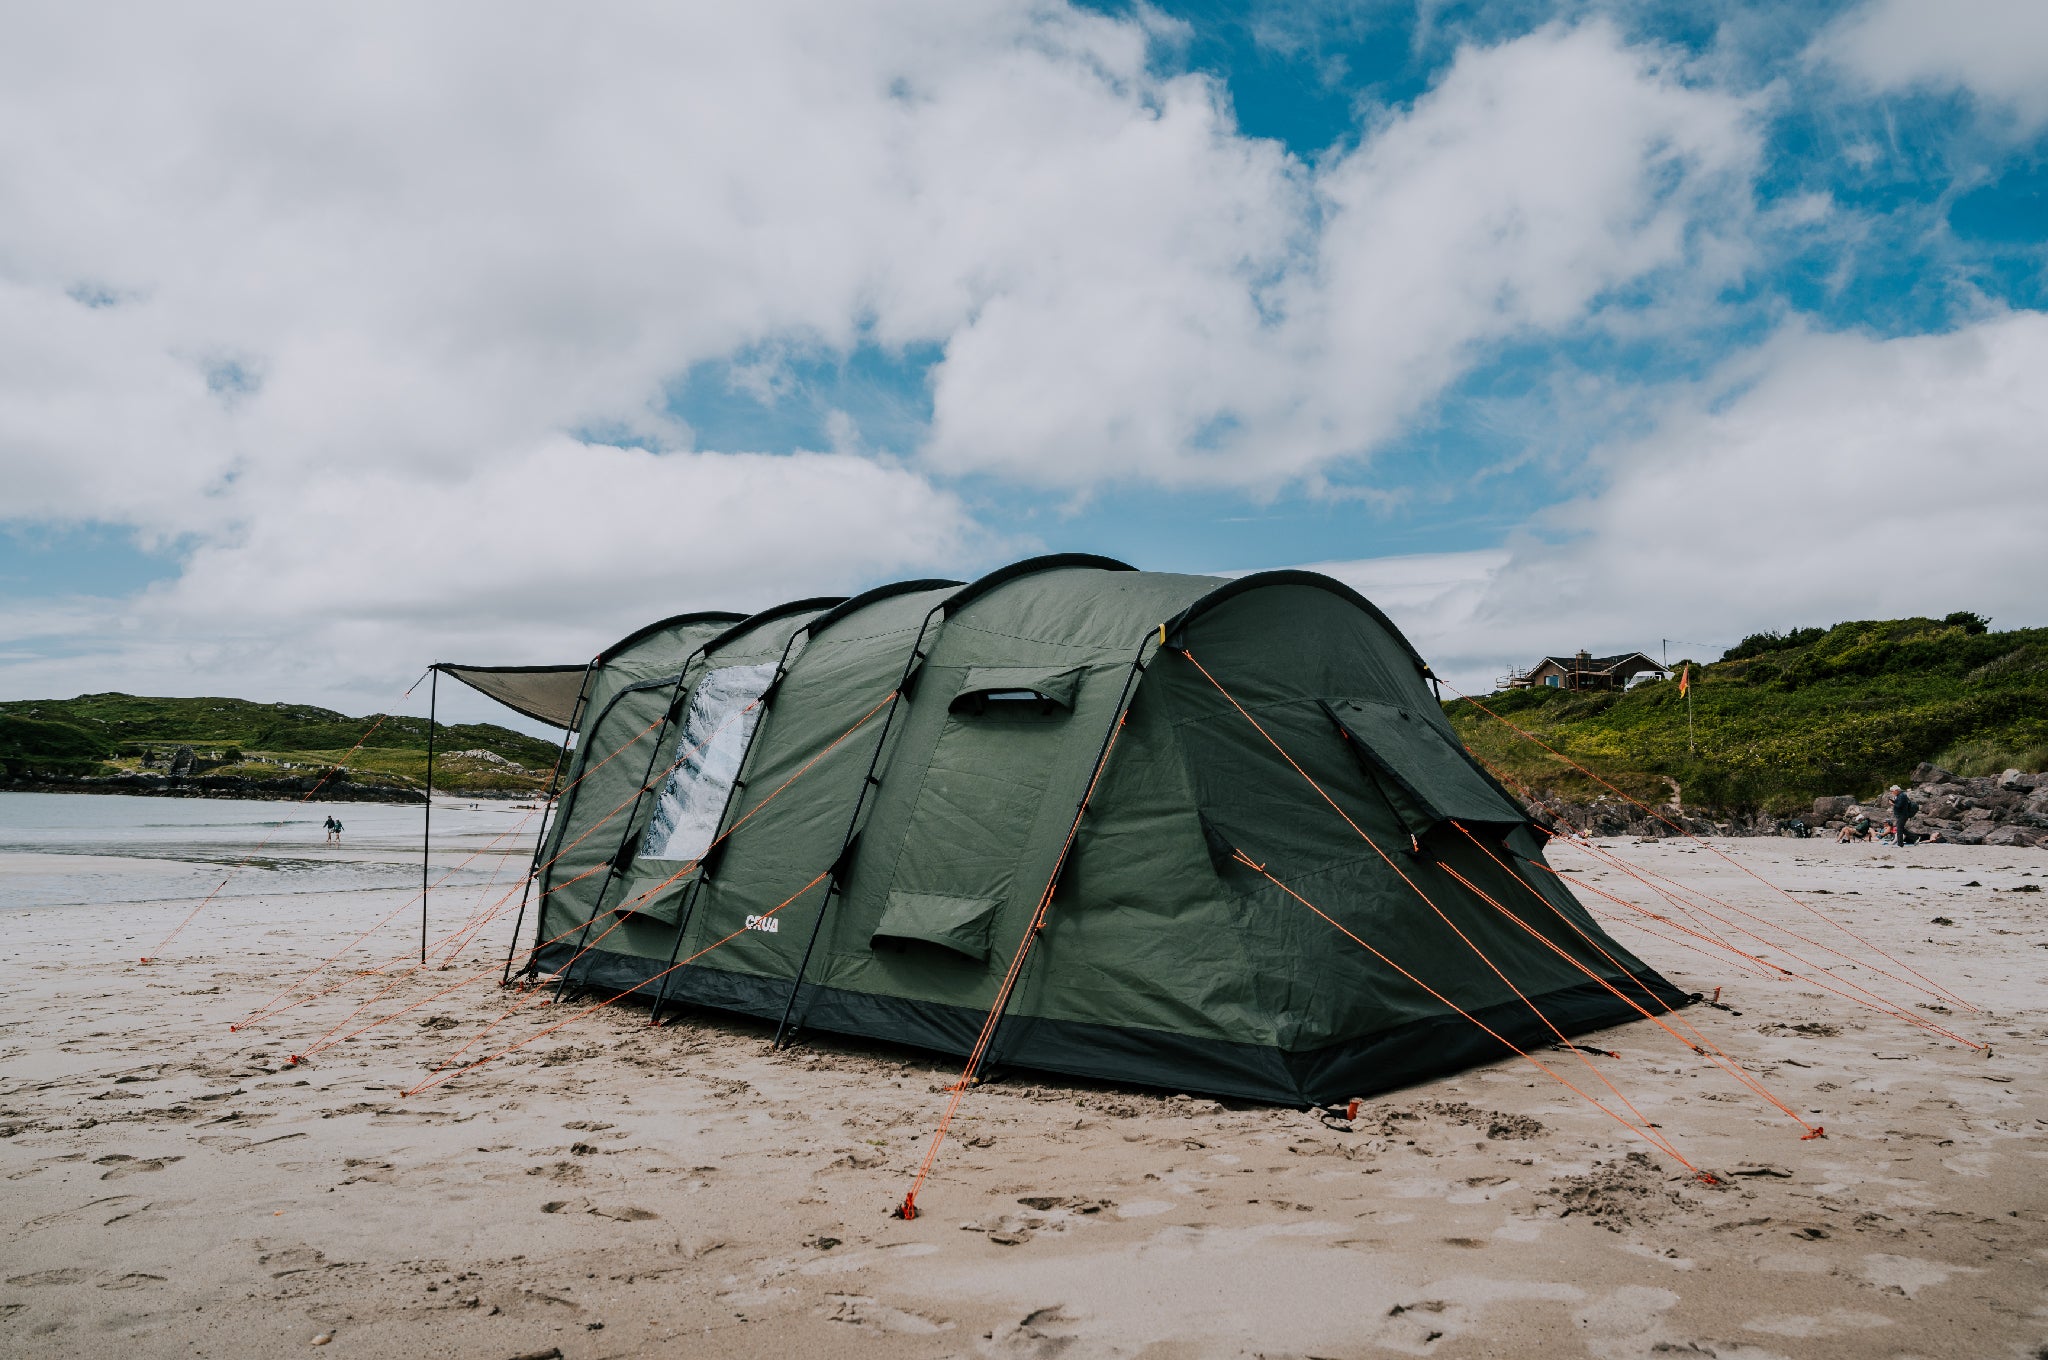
[(1267, 867)]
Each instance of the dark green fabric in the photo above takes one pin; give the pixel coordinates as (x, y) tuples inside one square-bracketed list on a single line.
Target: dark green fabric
[(616, 800), (959, 924), (1157, 943), (1421, 767), (630, 690), (803, 778)]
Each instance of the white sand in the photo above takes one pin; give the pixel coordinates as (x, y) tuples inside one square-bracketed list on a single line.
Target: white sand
[(174, 1189)]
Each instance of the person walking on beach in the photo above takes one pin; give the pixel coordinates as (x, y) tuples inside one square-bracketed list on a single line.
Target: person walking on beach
[(1903, 808)]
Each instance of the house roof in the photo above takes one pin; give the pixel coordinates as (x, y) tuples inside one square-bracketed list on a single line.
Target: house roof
[(1598, 665)]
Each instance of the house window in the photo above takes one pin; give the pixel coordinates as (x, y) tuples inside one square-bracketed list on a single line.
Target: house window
[(1551, 681)]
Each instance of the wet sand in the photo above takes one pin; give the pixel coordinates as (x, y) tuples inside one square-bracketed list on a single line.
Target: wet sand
[(174, 1188)]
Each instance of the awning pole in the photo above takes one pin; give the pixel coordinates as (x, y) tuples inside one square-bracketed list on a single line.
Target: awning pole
[(427, 823)]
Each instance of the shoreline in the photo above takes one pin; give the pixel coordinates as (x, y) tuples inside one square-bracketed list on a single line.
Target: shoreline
[(255, 791)]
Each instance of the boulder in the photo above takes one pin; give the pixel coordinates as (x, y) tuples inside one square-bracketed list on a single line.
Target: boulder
[(2024, 837), (2012, 781), (1944, 805), (1925, 773), (1837, 807)]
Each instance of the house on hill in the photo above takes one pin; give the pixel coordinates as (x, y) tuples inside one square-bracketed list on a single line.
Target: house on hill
[(1583, 672)]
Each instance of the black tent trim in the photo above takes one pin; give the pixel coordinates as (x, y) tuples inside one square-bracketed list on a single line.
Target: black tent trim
[(853, 604), (748, 624), (1176, 627), (614, 651), (1396, 1058), (1030, 566)]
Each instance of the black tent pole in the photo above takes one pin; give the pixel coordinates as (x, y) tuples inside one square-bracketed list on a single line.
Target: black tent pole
[(839, 865), (540, 840), (427, 824)]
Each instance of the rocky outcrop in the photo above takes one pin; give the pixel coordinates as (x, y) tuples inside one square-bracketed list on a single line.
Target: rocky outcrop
[(1833, 809), (1611, 816), (220, 786), (487, 758), (2008, 809)]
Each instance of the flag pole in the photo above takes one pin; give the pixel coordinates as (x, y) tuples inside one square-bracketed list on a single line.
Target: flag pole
[(1685, 688)]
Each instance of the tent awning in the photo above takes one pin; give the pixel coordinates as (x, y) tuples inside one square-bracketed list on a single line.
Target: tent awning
[(544, 693)]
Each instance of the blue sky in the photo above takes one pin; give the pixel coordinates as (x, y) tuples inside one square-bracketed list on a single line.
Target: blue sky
[(1548, 325)]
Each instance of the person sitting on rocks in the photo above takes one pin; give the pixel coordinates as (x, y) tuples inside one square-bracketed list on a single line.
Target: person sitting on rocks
[(1857, 830)]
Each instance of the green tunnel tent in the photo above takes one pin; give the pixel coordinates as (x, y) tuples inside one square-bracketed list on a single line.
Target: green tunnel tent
[(918, 754)]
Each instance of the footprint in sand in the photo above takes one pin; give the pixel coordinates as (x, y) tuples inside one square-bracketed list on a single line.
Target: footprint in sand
[(66, 1275), (119, 1165), (134, 1279), (858, 1310), (1043, 1332)]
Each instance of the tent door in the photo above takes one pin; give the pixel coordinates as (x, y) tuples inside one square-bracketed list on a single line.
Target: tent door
[(983, 794)]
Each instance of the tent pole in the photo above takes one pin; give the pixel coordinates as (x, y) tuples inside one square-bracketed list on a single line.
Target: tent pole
[(611, 872), (540, 840), (1074, 828), (853, 824), (732, 791), (427, 823), (675, 949)]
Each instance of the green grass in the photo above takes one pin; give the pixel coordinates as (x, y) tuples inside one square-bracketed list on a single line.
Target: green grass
[(109, 733), (1782, 720)]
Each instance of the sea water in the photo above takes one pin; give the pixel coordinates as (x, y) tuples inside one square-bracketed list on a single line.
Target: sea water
[(60, 849)]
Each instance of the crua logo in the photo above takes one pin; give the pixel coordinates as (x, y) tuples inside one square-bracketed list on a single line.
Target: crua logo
[(764, 923)]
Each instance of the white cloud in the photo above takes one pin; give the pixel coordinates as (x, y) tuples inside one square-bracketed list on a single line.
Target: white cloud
[(1823, 477), (1247, 327), (497, 566), (1996, 49), (328, 295)]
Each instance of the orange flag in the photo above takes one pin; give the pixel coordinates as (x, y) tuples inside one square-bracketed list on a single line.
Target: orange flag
[(1685, 681)]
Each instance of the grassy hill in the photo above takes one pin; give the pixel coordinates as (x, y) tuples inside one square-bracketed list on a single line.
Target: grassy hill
[(97, 735), (1783, 719), (1778, 721)]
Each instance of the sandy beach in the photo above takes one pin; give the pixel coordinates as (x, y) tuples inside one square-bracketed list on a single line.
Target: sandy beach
[(177, 1188)]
